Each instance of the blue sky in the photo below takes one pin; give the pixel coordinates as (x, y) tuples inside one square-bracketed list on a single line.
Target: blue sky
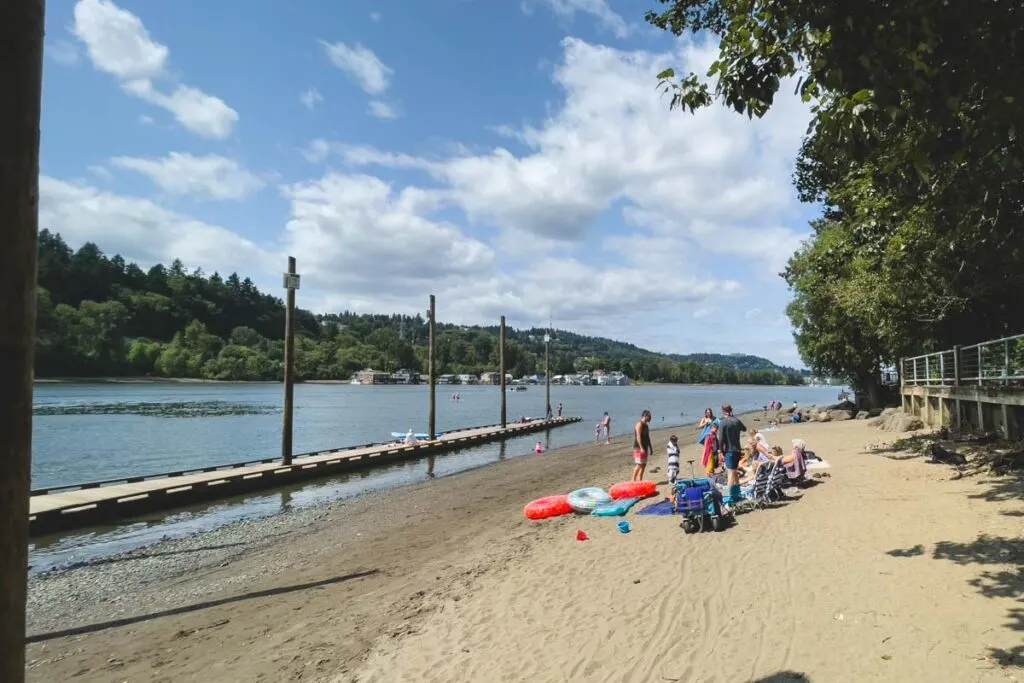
[(510, 157)]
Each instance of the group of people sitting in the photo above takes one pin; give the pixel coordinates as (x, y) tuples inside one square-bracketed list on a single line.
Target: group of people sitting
[(723, 451)]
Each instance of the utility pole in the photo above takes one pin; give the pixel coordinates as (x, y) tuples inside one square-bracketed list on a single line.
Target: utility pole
[(291, 283), (501, 371), (21, 53), (432, 369), (547, 372)]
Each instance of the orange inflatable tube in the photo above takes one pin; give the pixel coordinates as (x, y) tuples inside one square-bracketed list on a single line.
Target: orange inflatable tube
[(551, 506), (633, 489)]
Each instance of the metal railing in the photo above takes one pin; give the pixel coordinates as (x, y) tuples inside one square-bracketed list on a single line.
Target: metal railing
[(996, 362)]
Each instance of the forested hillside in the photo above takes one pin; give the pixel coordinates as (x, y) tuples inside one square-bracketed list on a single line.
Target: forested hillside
[(103, 317)]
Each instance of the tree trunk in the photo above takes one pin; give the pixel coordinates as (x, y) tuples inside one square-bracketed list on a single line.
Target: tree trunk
[(21, 54), (868, 392)]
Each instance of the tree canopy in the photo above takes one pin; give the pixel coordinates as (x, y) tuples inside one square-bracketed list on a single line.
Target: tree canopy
[(100, 316), (911, 150)]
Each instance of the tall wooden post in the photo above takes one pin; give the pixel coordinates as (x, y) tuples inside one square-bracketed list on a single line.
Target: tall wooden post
[(291, 283), (501, 372), (547, 374), (21, 53), (432, 370)]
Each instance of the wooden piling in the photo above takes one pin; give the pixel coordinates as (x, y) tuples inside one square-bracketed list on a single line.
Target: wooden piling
[(21, 53), (501, 372), (547, 375), (432, 370), (291, 284)]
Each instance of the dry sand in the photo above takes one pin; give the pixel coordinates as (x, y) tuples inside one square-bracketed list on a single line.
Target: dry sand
[(887, 570)]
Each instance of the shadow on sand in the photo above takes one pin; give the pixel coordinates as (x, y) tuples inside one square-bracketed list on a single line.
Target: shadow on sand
[(783, 677), (91, 628)]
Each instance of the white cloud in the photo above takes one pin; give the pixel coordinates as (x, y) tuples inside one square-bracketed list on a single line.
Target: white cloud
[(375, 16), (142, 231), (713, 180), (382, 110), (311, 98), (361, 64), (357, 234), (100, 172), (693, 192), (598, 9), (210, 176), (118, 43)]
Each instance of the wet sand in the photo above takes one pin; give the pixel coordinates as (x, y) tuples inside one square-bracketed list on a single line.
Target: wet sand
[(886, 570)]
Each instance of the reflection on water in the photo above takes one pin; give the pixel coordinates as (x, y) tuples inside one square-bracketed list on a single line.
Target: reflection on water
[(56, 550)]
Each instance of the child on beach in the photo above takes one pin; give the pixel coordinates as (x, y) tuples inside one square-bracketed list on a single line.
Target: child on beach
[(711, 448), (673, 460), (539, 448)]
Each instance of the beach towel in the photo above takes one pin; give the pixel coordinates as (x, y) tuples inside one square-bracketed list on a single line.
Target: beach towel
[(710, 447), (817, 465), (704, 432), (663, 508)]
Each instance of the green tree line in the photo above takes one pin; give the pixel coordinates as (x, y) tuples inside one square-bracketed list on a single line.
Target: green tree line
[(912, 151), (99, 316)]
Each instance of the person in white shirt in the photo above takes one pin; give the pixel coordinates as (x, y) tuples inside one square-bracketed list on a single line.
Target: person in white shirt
[(673, 460)]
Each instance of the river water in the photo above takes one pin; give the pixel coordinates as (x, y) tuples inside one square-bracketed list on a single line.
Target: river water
[(100, 431)]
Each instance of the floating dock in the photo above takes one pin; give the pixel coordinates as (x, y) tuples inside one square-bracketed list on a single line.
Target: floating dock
[(96, 502)]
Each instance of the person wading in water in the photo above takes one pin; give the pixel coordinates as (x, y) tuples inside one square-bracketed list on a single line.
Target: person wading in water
[(641, 445)]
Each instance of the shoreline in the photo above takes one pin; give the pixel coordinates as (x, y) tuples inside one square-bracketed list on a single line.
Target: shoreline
[(444, 580), (191, 380), (751, 417)]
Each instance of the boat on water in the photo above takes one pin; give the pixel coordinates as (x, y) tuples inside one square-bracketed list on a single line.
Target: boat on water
[(518, 387), (423, 436)]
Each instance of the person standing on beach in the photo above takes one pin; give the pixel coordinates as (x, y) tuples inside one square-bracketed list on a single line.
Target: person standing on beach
[(729, 429), (606, 424), (641, 445)]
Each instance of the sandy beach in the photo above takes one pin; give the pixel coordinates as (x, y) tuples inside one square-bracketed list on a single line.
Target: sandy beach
[(888, 569)]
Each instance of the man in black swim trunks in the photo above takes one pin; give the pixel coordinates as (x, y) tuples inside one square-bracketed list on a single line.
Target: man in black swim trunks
[(729, 429)]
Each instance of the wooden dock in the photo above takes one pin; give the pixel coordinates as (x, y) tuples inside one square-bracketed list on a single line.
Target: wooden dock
[(77, 505)]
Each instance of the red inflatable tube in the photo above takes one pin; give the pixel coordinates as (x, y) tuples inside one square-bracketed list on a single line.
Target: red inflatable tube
[(632, 489), (552, 506)]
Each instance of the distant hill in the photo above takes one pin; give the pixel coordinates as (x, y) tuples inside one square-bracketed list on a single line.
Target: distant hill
[(102, 316), (736, 361)]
